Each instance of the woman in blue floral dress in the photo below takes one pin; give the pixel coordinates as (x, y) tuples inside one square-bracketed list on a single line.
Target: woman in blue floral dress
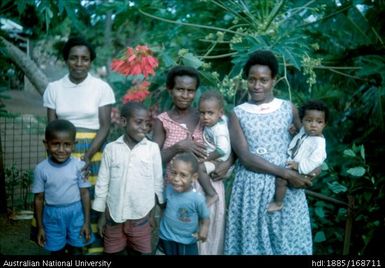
[(260, 128)]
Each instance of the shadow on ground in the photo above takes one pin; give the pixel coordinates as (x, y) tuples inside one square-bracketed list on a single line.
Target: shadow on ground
[(14, 238)]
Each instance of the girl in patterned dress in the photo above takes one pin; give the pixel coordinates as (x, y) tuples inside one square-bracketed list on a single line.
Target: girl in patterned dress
[(259, 135)]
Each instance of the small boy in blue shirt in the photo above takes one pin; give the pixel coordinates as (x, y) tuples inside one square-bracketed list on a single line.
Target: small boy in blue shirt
[(62, 201), (186, 217)]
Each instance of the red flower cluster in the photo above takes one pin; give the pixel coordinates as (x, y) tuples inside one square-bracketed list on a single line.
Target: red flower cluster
[(136, 61), (137, 93)]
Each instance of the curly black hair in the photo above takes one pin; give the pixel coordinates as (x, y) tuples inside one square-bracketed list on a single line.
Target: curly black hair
[(181, 71), (314, 105), (213, 95), (189, 158), (77, 41), (261, 57), (59, 125), (128, 109)]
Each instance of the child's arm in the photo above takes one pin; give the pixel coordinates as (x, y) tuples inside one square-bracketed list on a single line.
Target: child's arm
[(221, 167), (157, 171), (101, 223), (39, 205), (204, 219), (102, 185), (85, 196), (203, 229), (214, 155), (102, 188), (151, 218)]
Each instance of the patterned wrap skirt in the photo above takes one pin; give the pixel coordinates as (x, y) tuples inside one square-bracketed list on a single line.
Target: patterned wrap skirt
[(84, 138)]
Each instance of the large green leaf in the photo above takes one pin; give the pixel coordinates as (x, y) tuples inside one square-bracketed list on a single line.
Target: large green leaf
[(371, 64), (191, 60), (356, 171)]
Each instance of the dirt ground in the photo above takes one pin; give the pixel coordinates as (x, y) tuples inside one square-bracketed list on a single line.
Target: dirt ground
[(14, 238), (24, 102)]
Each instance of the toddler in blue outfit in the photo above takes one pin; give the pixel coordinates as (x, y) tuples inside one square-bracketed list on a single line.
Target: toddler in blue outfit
[(62, 201)]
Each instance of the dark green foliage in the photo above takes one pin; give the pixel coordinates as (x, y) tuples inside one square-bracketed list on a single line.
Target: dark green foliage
[(326, 51)]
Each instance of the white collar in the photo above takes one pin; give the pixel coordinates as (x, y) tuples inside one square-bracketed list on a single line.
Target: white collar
[(264, 108), (69, 83), (142, 142)]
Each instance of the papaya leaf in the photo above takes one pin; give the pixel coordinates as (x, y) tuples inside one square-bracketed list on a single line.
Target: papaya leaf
[(190, 60), (292, 58)]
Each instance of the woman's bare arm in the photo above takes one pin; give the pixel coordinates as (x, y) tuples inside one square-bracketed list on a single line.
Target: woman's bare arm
[(256, 163), (102, 133), (186, 145), (51, 114)]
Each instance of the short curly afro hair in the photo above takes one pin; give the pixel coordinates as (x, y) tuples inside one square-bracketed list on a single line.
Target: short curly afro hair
[(59, 125), (261, 57), (314, 105), (181, 71), (77, 41)]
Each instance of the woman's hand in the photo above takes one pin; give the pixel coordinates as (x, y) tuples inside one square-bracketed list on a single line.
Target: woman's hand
[(314, 173), (292, 165), (296, 180), (221, 168), (86, 168), (189, 145)]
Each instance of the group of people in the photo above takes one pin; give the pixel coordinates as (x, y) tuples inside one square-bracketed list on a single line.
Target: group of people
[(180, 167)]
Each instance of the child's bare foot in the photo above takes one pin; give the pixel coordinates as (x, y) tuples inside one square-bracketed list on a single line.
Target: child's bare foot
[(210, 200), (274, 206)]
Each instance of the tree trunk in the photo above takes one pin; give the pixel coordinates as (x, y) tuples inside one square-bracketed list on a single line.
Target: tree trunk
[(27, 65)]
